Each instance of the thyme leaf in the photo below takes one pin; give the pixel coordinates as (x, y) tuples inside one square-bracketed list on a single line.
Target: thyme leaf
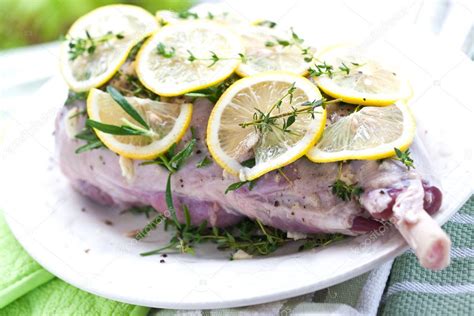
[(404, 157), (345, 191), (164, 51), (88, 45)]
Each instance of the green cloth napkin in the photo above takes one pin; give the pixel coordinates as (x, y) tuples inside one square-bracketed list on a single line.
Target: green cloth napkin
[(413, 290), (19, 274), (28, 289)]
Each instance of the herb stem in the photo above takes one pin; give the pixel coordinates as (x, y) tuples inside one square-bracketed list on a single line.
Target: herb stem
[(303, 109)]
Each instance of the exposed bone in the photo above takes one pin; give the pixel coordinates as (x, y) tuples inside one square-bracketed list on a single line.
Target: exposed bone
[(430, 243)]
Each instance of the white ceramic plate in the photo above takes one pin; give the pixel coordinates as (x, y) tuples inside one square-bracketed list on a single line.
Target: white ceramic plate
[(68, 234)]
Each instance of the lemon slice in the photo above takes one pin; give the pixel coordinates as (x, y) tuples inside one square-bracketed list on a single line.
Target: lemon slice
[(230, 144), (172, 72), (371, 133), (112, 31), (167, 121), (264, 53), (365, 81)]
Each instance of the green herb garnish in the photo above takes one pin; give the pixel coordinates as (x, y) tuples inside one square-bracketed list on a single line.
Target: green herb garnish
[(75, 96), (128, 128), (88, 45), (91, 139), (213, 93), (249, 163), (404, 157), (214, 58), (174, 161), (323, 68), (267, 23), (204, 162), (266, 121), (138, 210), (345, 191), (188, 15), (164, 51)]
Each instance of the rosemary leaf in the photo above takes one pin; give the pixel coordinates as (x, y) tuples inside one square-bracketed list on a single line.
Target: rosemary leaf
[(126, 106), (204, 162)]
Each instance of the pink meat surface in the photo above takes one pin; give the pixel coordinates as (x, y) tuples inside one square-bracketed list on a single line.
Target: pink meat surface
[(299, 200)]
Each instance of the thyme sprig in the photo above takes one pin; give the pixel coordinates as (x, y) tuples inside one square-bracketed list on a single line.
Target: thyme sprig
[(169, 52), (404, 158), (133, 87), (80, 46), (343, 190), (296, 41), (323, 68), (214, 58), (250, 236), (266, 121)]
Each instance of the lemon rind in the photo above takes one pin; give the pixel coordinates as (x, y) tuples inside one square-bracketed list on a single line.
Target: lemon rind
[(384, 151), (160, 146), (231, 165), (147, 46), (106, 76)]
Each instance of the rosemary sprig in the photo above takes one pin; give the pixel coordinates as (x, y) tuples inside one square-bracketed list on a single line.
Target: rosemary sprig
[(204, 162), (172, 161), (128, 128), (88, 45), (91, 139), (249, 163), (134, 51), (215, 92), (237, 185), (404, 158)]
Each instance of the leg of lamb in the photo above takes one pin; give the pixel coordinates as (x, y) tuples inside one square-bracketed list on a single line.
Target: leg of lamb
[(297, 199)]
